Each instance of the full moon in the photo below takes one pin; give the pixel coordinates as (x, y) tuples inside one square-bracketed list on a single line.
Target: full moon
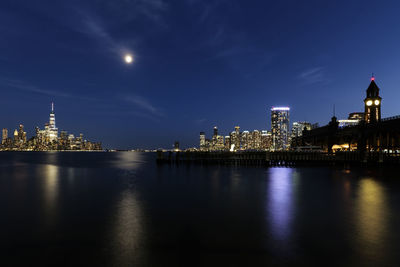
[(128, 59)]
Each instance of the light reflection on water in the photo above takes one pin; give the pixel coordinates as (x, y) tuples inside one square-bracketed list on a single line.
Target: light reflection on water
[(372, 217), (280, 202), (128, 160), (50, 186), (50, 179), (127, 230)]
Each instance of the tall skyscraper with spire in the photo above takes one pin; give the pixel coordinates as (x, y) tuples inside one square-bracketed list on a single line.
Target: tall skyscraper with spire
[(52, 130)]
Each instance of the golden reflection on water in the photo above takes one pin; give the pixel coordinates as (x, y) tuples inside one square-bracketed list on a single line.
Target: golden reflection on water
[(50, 176), (127, 225), (128, 160), (127, 230), (372, 220)]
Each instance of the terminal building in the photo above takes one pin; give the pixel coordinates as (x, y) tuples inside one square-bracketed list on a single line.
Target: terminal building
[(366, 131)]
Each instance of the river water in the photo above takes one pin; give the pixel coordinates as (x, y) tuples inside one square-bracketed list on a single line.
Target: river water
[(122, 209)]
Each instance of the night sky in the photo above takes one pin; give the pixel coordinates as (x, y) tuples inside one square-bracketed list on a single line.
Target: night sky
[(197, 64)]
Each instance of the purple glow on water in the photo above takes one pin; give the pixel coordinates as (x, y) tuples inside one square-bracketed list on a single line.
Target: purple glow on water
[(280, 201)]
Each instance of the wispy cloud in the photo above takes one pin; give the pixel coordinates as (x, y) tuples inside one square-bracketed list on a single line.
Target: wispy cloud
[(152, 9), (313, 75), (115, 14), (207, 8), (93, 28), (132, 9), (24, 86), (144, 105)]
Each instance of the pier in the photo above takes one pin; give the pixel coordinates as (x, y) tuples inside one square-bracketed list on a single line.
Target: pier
[(278, 158)]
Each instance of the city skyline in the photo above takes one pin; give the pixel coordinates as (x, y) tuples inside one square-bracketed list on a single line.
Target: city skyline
[(193, 65), (278, 138), (46, 139)]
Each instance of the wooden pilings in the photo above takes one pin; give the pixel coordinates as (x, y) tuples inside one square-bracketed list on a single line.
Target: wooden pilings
[(277, 158)]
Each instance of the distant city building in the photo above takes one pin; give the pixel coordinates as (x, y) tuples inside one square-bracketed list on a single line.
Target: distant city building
[(237, 138), (298, 127), (4, 136), (227, 145), (346, 123), (353, 119), (215, 131), (266, 140), (15, 135), (245, 140), (215, 139), (220, 143), (314, 125), (19, 136), (176, 146), (280, 127), (236, 141), (202, 141), (356, 116)]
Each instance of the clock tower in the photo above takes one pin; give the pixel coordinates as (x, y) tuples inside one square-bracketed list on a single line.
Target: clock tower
[(372, 103)]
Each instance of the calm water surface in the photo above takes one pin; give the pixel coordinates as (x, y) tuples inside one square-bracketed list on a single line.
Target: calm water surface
[(121, 209)]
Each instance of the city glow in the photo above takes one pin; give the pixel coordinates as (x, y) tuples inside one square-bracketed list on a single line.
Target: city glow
[(280, 108), (128, 58)]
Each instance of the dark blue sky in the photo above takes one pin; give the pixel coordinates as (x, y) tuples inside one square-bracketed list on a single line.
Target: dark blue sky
[(197, 64)]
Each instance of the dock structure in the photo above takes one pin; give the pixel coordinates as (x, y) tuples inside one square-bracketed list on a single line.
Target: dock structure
[(278, 158)]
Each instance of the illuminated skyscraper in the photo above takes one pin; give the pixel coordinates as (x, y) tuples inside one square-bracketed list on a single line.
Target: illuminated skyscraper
[(15, 136), (4, 136), (215, 131), (298, 128), (202, 141), (256, 140), (52, 130), (227, 142), (238, 137), (214, 138), (220, 142), (280, 128), (245, 140), (21, 134), (266, 140)]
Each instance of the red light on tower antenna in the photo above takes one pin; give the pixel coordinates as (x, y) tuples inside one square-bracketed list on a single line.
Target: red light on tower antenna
[(372, 78)]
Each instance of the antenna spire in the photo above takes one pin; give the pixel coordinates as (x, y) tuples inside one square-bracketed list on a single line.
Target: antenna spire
[(52, 106), (334, 110)]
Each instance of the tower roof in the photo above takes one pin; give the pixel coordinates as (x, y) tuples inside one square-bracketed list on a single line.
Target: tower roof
[(373, 89)]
